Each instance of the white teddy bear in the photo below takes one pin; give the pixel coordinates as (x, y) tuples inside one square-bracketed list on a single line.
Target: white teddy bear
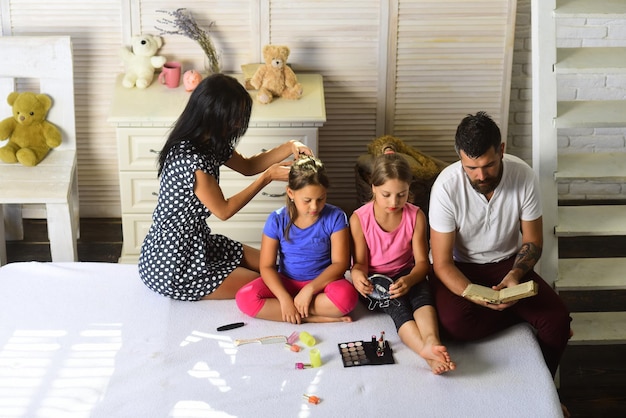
[(141, 62)]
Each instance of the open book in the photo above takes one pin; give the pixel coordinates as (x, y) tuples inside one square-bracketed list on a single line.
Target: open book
[(508, 294)]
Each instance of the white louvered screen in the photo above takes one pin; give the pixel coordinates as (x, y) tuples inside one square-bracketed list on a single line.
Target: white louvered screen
[(342, 41), (452, 58), (411, 68), (231, 32)]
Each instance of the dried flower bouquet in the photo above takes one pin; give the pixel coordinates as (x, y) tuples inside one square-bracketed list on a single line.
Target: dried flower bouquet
[(185, 24)]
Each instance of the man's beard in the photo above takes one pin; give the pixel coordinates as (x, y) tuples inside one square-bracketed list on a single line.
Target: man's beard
[(488, 185)]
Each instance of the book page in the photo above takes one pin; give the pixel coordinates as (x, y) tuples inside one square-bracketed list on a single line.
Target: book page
[(519, 291), (476, 291), (508, 294)]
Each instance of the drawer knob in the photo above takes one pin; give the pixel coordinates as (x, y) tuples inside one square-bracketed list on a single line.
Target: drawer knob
[(154, 151), (274, 194)]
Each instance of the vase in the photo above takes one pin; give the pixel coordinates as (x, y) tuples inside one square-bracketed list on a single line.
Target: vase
[(211, 67)]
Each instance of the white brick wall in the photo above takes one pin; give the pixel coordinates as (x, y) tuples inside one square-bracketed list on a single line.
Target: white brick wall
[(570, 33), (519, 141)]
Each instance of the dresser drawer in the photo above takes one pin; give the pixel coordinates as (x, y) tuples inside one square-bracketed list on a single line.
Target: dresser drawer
[(270, 198), (246, 228), (243, 227), (139, 191), (259, 139), (134, 229), (139, 147)]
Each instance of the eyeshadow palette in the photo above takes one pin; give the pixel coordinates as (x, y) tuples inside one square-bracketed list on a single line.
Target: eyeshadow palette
[(366, 353)]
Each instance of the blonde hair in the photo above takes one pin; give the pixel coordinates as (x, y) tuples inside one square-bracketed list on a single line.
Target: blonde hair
[(305, 171), (390, 167)]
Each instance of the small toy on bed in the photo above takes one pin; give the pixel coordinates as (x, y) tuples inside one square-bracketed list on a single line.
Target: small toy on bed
[(365, 353), (293, 347), (380, 296), (311, 399), (307, 338), (273, 339), (228, 327)]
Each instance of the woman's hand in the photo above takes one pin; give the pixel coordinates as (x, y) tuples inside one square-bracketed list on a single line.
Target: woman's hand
[(279, 171), (298, 148)]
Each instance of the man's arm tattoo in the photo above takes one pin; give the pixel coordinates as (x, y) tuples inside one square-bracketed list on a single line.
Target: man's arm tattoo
[(527, 257)]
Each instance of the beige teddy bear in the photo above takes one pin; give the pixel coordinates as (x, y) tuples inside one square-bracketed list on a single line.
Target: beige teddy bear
[(275, 78), (141, 61), (30, 135)]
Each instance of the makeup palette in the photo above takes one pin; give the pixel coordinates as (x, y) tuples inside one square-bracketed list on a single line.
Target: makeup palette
[(366, 353)]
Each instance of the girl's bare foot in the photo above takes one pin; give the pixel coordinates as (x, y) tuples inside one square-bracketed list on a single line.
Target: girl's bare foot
[(439, 368), (435, 352), (438, 358), (318, 318)]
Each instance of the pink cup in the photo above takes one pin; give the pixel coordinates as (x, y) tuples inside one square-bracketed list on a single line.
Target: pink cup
[(170, 74)]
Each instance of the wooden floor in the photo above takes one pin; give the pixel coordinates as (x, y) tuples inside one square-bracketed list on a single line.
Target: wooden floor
[(592, 379)]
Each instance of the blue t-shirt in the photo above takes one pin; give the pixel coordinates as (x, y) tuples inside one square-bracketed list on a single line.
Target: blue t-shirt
[(307, 252)]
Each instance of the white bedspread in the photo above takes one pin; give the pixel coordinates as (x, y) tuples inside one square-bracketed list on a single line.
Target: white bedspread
[(90, 340)]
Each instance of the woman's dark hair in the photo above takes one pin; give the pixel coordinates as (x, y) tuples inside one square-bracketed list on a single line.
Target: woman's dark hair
[(216, 116), (476, 134), (305, 171), (390, 167)]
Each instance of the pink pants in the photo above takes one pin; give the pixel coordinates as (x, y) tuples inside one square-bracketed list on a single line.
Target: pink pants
[(463, 320), (251, 298)]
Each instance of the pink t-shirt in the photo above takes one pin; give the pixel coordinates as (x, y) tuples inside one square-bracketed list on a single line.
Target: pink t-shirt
[(390, 252)]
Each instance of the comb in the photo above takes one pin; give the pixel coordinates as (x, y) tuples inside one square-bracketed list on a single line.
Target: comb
[(273, 339)]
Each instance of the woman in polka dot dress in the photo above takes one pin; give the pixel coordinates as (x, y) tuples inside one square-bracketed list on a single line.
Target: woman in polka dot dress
[(180, 257)]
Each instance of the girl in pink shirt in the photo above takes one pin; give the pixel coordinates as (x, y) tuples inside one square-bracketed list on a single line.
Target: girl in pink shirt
[(389, 237)]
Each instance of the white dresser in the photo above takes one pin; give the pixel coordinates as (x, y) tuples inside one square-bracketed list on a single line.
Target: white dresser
[(143, 119)]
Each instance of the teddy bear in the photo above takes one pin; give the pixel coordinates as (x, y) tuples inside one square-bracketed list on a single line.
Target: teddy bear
[(141, 61), (30, 135), (275, 78)]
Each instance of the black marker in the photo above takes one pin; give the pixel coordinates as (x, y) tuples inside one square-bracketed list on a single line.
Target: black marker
[(230, 326)]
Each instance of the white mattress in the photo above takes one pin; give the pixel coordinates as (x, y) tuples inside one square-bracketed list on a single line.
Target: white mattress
[(90, 340)]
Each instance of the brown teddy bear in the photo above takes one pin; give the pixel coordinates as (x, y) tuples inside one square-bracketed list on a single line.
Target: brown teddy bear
[(275, 78), (30, 135)]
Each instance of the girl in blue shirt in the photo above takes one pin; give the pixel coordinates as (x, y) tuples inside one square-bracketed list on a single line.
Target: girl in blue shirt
[(310, 240)]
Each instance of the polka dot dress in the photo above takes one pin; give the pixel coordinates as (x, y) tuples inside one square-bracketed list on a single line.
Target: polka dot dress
[(180, 258)]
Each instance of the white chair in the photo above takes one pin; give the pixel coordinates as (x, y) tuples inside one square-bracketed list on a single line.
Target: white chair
[(45, 61)]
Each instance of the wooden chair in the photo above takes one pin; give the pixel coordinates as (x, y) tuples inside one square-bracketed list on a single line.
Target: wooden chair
[(46, 60)]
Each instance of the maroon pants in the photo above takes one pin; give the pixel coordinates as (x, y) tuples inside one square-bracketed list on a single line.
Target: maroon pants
[(463, 320)]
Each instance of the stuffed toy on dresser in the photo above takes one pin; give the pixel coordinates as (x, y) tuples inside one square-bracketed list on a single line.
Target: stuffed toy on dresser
[(141, 61), (275, 78)]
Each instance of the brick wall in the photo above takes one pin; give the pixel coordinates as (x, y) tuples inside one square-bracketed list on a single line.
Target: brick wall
[(570, 33)]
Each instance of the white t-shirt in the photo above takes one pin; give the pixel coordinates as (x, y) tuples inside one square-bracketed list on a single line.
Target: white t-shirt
[(486, 231)]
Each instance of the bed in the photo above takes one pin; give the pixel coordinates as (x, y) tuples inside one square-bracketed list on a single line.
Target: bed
[(90, 340)]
